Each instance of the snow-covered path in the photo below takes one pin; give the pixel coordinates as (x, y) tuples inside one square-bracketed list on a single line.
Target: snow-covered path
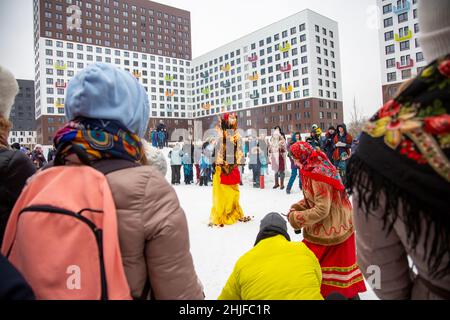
[(216, 250)]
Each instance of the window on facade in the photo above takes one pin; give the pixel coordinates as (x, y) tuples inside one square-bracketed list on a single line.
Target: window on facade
[(403, 17), (391, 77), (388, 22)]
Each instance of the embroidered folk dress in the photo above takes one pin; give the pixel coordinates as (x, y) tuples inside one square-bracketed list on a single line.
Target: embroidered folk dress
[(325, 215)]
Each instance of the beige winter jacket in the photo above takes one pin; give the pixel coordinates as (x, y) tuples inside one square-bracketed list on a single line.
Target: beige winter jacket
[(392, 254), (153, 235), (325, 214)]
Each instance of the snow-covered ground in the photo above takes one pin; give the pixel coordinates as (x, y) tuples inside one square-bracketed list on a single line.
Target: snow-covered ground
[(216, 250)]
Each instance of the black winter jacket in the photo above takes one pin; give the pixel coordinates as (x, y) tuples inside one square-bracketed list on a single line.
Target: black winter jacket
[(15, 169)]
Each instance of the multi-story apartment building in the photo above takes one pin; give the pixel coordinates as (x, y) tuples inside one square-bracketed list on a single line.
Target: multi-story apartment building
[(286, 74), (401, 55), (150, 40), (22, 116)]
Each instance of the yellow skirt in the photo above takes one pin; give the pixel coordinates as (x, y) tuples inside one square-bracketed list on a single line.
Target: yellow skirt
[(226, 209)]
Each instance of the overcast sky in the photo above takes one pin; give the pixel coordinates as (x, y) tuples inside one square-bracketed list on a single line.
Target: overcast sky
[(217, 22)]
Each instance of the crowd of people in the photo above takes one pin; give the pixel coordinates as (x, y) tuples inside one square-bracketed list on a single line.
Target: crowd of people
[(102, 204), (260, 154), (159, 136)]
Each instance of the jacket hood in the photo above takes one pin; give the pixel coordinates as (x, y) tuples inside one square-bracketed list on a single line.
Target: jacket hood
[(293, 139), (341, 126)]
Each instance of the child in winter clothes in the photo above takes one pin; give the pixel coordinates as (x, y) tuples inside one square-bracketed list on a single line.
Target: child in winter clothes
[(342, 165), (187, 168), (204, 170), (255, 165)]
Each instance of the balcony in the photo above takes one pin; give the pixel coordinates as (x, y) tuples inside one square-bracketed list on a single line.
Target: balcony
[(286, 47), (204, 75), (169, 93), (59, 103), (227, 102), (225, 84), (60, 85), (254, 95), (206, 91), (206, 106), (168, 78), (404, 38), (59, 66), (225, 68), (253, 58), (253, 77), (410, 64), (286, 68), (287, 89), (402, 8)]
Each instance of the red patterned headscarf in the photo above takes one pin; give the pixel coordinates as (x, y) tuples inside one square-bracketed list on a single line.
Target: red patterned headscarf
[(315, 165)]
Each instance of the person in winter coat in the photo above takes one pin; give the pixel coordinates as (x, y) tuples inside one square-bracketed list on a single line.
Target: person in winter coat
[(186, 162), (255, 162), (175, 156), (160, 137), (51, 154), (153, 232), (15, 166), (37, 156), (328, 143), (12, 284), (342, 142), (314, 140), (154, 138), (204, 166), (296, 137), (400, 176), (166, 138), (325, 215), (276, 268), (277, 156)]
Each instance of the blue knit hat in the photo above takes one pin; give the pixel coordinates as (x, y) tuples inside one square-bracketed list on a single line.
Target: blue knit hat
[(102, 91)]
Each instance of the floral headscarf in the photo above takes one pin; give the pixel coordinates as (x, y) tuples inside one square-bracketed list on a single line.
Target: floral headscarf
[(316, 165), (404, 154)]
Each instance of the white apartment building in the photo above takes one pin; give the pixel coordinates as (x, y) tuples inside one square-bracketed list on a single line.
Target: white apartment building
[(295, 60), (401, 55)]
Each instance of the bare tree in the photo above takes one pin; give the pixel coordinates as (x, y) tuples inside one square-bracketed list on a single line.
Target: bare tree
[(357, 121)]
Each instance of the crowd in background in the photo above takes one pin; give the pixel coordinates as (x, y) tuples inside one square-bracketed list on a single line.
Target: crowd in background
[(260, 154)]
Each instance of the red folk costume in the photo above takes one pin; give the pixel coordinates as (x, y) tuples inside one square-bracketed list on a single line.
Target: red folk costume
[(325, 215)]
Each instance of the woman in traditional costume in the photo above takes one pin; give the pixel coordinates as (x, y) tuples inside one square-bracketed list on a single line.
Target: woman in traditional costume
[(226, 209)]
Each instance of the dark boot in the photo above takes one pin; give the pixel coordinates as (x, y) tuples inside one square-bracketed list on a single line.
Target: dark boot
[(277, 185)]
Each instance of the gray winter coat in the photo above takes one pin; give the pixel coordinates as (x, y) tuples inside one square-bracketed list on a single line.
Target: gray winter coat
[(391, 253)]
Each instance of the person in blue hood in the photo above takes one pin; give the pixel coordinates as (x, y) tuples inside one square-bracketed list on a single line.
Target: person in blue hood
[(296, 137)]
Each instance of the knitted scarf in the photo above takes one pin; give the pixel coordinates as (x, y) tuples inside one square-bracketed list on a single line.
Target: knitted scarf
[(404, 154), (315, 165), (100, 139)]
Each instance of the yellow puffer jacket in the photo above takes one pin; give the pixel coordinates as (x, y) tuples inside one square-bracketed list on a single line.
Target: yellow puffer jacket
[(275, 269)]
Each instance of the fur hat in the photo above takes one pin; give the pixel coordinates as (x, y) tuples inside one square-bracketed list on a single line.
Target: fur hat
[(155, 158), (8, 91)]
